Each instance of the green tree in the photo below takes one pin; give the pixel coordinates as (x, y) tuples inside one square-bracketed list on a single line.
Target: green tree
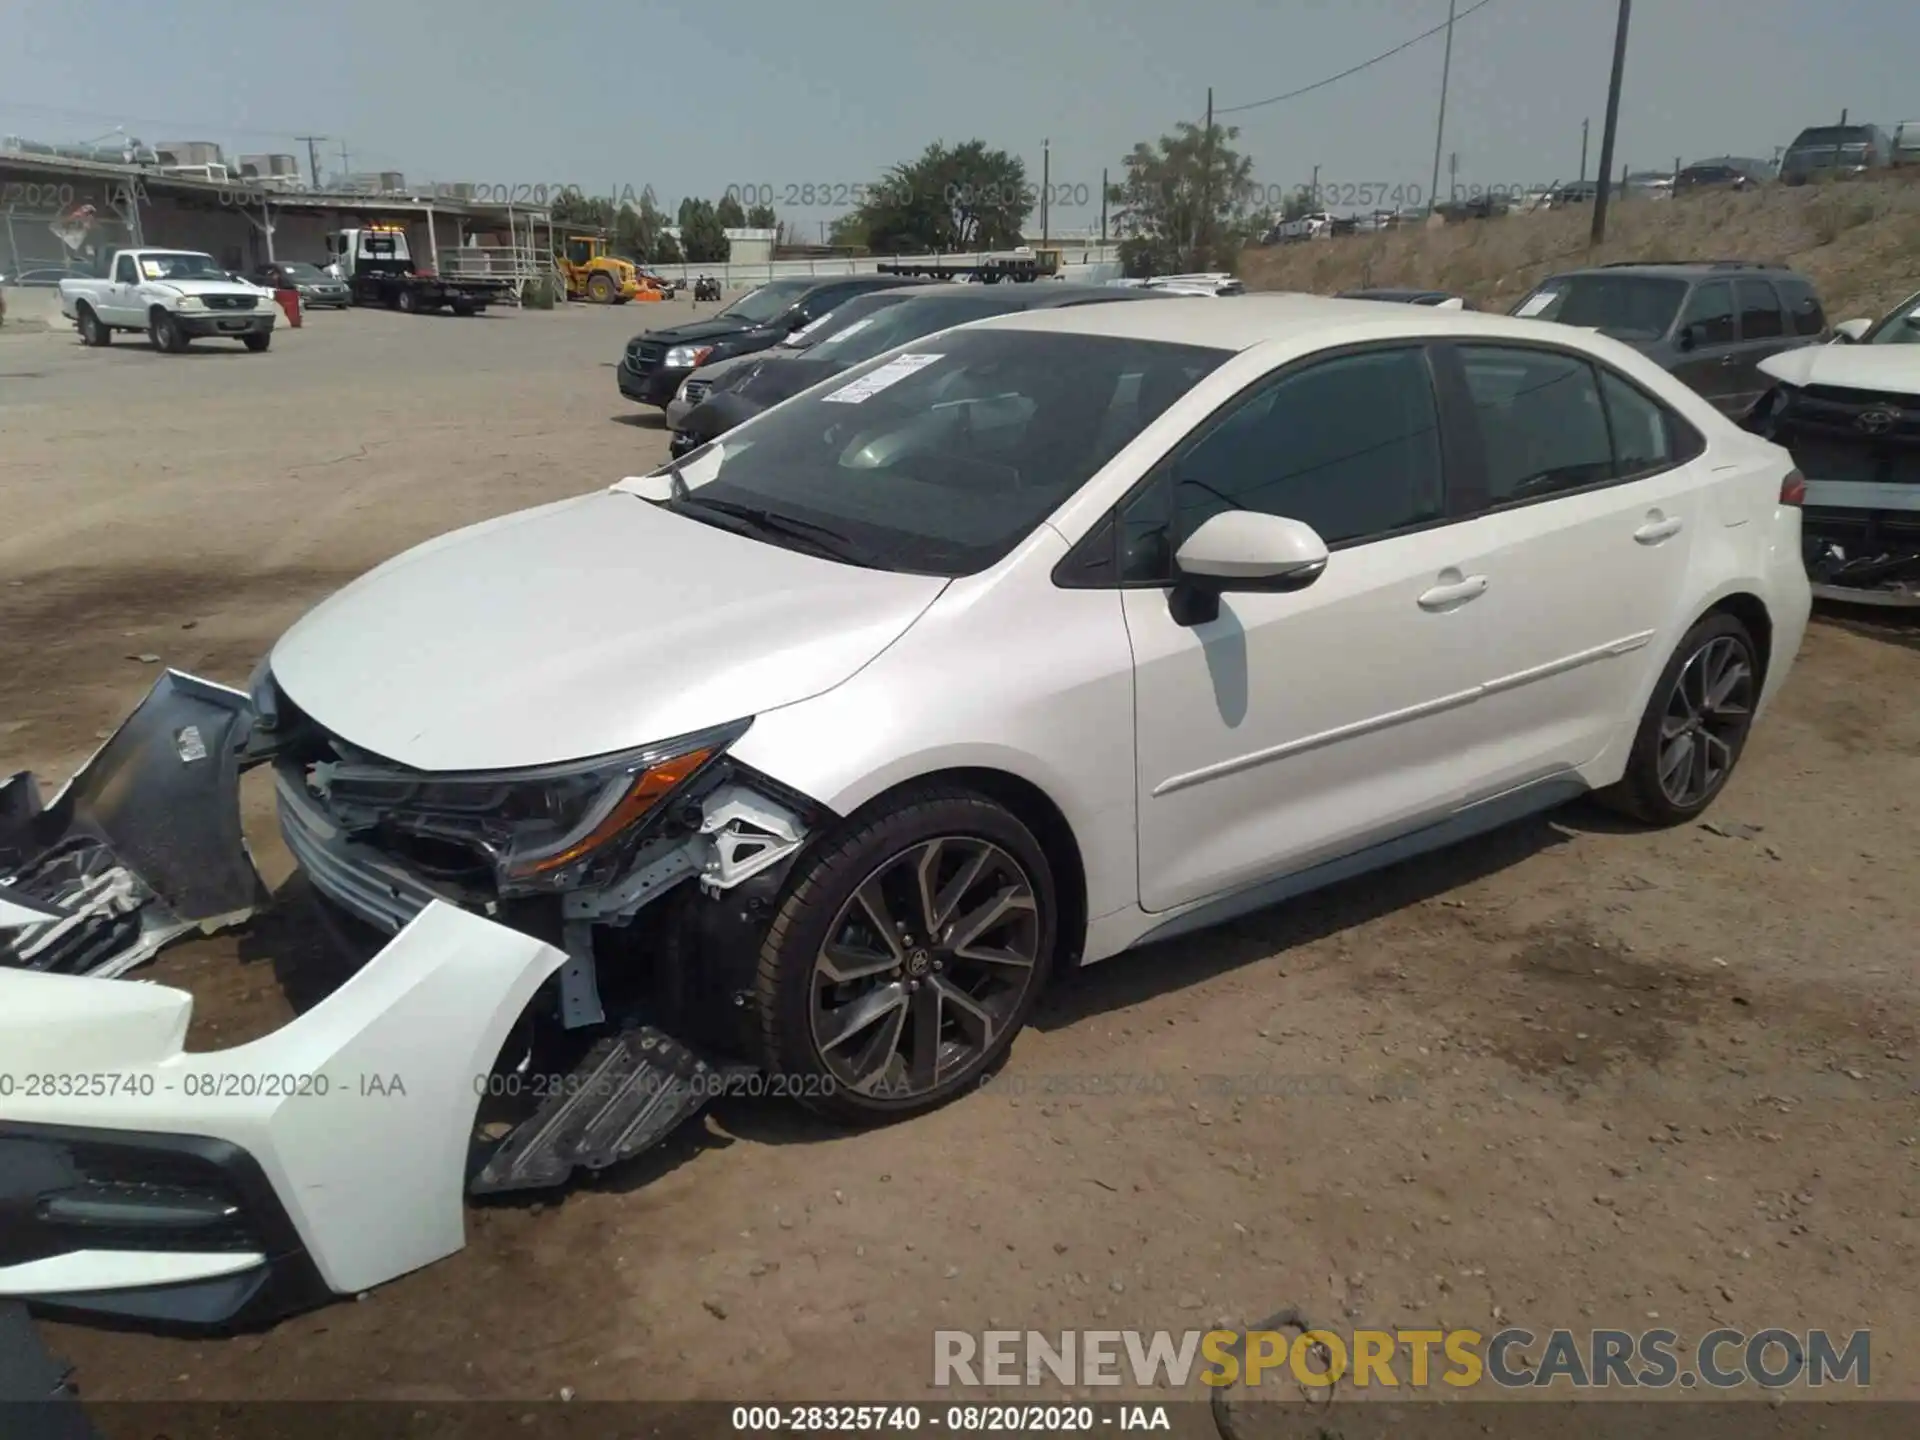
[(964, 197), (581, 212), (700, 232), (1184, 204), (639, 228), (729, 213), (761, 217)]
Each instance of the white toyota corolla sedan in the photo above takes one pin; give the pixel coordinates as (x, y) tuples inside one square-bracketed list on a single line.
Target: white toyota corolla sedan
[(801, 765)]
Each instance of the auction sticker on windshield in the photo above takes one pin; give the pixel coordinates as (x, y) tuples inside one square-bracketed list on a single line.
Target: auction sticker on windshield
[(874, 381), (150, 268), (854, 329), (1536, 303)]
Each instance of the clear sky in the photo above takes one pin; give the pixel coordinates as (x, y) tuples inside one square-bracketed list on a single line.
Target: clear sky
[(694, 97)]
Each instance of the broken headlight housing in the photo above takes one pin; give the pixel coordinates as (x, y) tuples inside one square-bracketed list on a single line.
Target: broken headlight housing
[(556, 828)]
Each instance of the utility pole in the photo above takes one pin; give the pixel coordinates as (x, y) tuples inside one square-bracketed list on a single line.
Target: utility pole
[(1599, 232), (344, 169), (1440, 126), (1313, 188), (1583, 150), (313, 157), (1103, 207), (1206, 185), (1046, 189)]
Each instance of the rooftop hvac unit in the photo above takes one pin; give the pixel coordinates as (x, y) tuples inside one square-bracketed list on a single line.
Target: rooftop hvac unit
[(189, 152)]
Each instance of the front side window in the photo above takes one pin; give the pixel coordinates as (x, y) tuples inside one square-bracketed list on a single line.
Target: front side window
[(1709, 315), (1760, 317), (1542, 425), (124, 273), (1803, 307), (940, 460), (1349, 446)]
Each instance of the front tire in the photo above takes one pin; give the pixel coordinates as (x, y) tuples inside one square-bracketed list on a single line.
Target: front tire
[(93, 331), (600, 289), (257, 342), (1694, 728), (409, 302), (165, 333), (906, 957)]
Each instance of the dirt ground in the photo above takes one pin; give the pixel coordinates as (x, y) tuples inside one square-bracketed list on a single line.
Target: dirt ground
[(1572, 1075)]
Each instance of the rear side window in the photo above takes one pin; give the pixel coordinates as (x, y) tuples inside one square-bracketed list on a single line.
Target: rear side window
[(1804, 314), (1543, 426), (1709, 314), (1760, 317), (1645, 437)]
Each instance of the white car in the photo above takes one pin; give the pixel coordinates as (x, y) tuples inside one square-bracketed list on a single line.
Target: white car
[(819, 752), (172, 296), (1850, 413)]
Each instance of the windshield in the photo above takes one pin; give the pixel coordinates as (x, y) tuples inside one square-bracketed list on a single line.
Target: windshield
[(300, 270), (769, 302), (1901, 325), (853, 313), (179, 265), (940, 461), (881, 333), (1628, 307)]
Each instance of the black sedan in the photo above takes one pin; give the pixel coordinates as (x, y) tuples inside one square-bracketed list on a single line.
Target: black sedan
[(773, 378)]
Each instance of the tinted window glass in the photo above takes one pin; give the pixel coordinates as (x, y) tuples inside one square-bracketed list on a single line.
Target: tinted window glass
[(1709, 314), (1760, 317), (940, 460), (123, 271), (1899, 326), (910, 321), (1643, 436), (1540, 419), (1628, 307), (775, 298), (1350, 446), (1803, 307)]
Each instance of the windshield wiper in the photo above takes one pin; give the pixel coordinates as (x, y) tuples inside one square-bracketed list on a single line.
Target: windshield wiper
[(823, 539)]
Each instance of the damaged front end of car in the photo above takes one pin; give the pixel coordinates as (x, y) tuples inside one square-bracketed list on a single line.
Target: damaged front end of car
[(1860, 453), (555, 973)]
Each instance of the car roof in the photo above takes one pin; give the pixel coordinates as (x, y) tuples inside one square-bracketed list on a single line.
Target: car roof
[(1390, 292), (1687, 269), (1240, 322)]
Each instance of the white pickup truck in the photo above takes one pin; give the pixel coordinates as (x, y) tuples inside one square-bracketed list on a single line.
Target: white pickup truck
[(175, 296)]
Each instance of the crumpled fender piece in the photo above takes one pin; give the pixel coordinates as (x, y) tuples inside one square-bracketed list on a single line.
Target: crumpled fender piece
[(358, 1114), (142, 846)]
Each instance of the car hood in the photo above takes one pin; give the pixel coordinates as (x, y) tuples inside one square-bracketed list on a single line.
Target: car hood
[(1849, 367), (695, 332), (581, 628), (211, 287)]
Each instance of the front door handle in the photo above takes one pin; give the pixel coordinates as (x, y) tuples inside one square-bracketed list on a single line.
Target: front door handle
[(1730, 360), (1657, 529), (1454, 593)]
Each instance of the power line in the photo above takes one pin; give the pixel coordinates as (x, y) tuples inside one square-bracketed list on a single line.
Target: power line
[(1356, 69)]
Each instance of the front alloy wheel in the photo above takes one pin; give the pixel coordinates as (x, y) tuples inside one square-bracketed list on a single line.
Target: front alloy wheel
[(906, 957)]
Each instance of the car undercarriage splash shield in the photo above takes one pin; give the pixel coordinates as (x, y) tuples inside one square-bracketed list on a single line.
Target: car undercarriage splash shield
[(142, 846)]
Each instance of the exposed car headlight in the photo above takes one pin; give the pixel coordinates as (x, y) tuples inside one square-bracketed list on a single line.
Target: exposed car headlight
[(540, 830), (685, 357), (191, 302)]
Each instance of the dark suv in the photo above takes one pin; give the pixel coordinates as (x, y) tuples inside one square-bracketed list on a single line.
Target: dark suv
[(1709, 322), (655, 363)]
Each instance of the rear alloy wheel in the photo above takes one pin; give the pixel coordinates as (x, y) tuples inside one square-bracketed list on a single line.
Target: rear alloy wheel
[(907, 958), (1695, 726)]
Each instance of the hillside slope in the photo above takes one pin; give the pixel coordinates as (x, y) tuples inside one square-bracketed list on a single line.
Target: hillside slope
[(1859, 242)]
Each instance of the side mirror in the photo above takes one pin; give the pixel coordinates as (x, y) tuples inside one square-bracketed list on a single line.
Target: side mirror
[(1850, 331), (1243, 550)]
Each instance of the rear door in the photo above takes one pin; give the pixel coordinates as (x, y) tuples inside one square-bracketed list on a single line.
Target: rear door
[(1583, 503), (1710, 359)]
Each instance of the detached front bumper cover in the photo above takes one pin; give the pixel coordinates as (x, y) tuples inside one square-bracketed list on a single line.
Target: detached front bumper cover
[(141, 1179)]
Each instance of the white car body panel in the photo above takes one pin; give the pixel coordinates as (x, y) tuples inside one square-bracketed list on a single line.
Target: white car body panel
[(632, 620), (372, 1178), (1882, 369), (122, 304)]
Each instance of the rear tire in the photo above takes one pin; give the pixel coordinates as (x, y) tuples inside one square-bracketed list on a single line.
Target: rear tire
[(165, 333), (409, 302), (465, 307), (257, 342), (1695, 726), (908, 953), (93, 330)]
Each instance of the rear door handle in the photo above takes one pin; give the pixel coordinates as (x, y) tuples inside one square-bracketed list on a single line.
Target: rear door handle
[(1455, 593), (1654, 531)]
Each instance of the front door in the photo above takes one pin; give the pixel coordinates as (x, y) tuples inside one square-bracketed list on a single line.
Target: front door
[(1296, 727), (123, 295), (1710, 361)]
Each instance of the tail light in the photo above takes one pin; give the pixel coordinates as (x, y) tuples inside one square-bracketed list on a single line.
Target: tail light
[(1793, 489)]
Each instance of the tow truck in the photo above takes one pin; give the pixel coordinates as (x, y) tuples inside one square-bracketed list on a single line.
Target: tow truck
[(377, 264)]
